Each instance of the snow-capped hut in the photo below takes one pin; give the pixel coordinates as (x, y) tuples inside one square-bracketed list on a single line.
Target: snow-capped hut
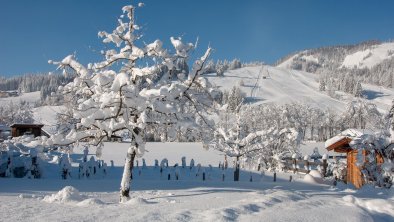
[(21, 129), (342, 144)]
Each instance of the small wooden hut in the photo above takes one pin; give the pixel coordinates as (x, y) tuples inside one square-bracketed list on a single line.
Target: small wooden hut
[(341, 144), (21, 129)]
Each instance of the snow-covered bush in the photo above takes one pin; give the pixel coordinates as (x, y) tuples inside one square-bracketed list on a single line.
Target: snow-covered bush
[(338, 169)]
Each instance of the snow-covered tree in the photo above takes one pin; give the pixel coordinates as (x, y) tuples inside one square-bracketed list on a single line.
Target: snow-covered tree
[(358, 90), (362, 114), (233, 137), (372, 167), (391, 120), (16, 113), (235, 98), (322, 85), (120, 93)]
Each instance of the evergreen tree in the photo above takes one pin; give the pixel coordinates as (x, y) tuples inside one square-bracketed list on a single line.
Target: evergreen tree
[(358, 90)]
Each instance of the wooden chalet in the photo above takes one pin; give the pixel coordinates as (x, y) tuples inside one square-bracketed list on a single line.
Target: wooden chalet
[(341, 144), (21, 129)]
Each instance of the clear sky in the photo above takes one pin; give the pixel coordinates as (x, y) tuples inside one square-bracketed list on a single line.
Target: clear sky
[(34, 31)]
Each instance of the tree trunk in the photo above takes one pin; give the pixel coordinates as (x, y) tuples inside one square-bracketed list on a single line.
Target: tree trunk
[(126, 178), (236, 171)]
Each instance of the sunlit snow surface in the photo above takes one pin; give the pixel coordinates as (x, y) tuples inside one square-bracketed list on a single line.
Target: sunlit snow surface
[(266, 84), (155, 198)]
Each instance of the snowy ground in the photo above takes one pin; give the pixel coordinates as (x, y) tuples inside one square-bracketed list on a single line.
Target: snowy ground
[(154, 198)]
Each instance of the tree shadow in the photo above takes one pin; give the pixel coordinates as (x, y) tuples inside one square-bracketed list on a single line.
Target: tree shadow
[(370, 94)]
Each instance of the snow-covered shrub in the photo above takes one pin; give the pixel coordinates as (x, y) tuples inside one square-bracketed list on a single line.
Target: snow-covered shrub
[(338, 169)]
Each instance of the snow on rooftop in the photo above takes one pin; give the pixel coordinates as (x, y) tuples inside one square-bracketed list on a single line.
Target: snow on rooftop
[(349, 133)]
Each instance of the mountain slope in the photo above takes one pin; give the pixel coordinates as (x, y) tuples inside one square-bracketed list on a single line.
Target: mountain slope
[(281, 86), (371, 62)]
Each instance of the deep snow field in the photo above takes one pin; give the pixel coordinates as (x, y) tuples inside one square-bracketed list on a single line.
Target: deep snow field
[(155, 198)]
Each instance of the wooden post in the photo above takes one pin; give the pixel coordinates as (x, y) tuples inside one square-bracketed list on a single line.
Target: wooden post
[(324, 170), (275, 177), (306, 164), (294, 165), (291, 178)]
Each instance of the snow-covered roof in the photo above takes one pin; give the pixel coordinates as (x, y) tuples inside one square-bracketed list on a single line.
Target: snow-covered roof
[(349, 133)]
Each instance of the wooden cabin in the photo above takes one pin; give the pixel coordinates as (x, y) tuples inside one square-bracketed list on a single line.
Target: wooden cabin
[(21, 129), (341, 144)]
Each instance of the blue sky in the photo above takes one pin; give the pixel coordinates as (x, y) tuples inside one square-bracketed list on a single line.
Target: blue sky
[(34, 31)]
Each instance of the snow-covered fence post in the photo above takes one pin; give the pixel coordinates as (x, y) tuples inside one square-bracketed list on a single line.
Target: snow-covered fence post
[(198, 170), (34, 164), (306, 163), (294, 162), (85, 154), (164, 163), (8, 172), (183, 162), (65, 166), (143, 163), (325, 165), (191, 164), (177, 173)]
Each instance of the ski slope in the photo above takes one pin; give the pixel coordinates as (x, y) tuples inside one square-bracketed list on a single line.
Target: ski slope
[(369, 57), (266, 84)]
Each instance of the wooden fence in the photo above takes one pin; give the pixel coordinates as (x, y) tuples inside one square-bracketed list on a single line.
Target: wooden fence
[(305, 165)]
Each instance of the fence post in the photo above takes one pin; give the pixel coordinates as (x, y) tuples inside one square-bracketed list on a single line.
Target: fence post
[(324, 171), (275, 177), (294, 165)]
